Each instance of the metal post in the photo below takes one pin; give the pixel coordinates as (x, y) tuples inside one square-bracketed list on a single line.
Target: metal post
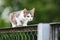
[(43, 31)]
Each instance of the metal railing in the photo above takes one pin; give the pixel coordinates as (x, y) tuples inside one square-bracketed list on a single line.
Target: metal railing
[(41, 31), (55, 27), (19, 33)]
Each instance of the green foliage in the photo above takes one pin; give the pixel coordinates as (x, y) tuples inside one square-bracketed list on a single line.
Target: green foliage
[(45, 10), (3, 24), (59, 35), (19, 36)]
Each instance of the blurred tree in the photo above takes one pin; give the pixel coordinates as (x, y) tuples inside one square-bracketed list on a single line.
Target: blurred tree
[(46, 10)]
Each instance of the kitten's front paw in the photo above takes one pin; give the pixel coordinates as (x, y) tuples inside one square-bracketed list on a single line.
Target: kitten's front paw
[(13, 26), (24, 24)]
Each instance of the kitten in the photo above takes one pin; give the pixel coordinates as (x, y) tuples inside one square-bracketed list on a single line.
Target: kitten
[(21, 18)]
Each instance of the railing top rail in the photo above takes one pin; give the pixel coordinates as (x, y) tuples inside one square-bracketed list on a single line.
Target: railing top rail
[(55, 24), (20, 29)]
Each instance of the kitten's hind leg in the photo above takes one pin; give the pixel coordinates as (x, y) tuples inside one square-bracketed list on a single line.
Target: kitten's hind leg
[(10, 25), (13, 25)]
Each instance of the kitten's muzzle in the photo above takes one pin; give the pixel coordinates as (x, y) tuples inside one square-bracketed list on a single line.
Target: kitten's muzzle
[(30, 19)]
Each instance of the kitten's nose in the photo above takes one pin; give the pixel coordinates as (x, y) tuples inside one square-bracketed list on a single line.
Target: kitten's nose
[(30, 19)]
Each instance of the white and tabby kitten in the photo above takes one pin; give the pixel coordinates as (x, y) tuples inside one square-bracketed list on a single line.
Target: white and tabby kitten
[(21, 18)]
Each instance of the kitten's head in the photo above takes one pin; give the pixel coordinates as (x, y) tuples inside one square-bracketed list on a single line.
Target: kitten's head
[(29, 14)]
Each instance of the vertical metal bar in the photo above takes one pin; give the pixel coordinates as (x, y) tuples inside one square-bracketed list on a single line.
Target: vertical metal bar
[(43, 31), (56, 33), (53, 33), (50, 35)]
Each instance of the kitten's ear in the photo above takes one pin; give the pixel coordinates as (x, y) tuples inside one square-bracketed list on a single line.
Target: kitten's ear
[(25, 11), (32, 11)]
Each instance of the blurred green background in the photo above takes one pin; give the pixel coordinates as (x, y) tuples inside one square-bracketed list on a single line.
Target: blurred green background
[(45, 10)]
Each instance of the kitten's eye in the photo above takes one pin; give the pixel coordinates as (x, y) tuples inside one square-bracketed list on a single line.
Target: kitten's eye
[(27, 16), (31, 16)]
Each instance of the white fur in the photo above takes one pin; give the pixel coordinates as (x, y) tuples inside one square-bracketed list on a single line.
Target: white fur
[(21, 20)]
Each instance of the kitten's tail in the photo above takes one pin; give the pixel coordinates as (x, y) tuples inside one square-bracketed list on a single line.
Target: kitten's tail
[(5, 14)]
